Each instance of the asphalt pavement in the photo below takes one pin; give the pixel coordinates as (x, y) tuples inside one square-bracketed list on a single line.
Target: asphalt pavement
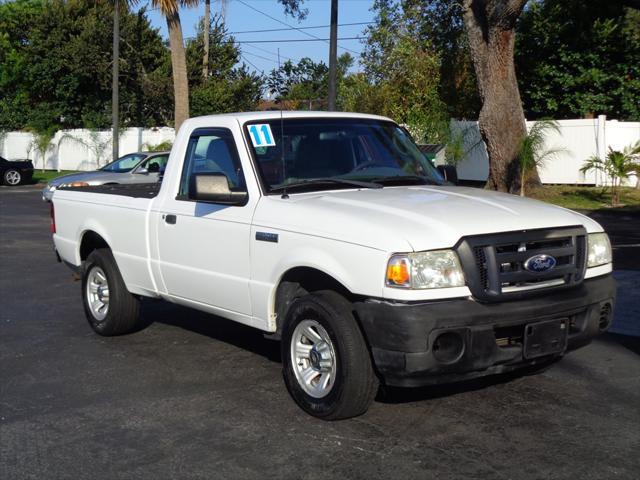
[(196, 396)]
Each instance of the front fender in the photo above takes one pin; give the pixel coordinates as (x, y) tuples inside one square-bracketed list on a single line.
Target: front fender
[(359, 269)]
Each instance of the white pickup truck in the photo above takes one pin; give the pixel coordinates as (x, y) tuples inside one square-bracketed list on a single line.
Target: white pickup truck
[(334, 234)]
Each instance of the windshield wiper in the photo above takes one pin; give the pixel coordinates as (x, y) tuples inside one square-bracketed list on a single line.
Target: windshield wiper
[(404, 179), (324, 181)]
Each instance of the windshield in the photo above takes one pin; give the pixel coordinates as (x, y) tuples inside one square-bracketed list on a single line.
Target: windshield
[(124, 164), (297, 151)]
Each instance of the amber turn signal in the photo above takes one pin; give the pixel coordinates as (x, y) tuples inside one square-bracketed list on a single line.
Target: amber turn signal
[(398, 274)]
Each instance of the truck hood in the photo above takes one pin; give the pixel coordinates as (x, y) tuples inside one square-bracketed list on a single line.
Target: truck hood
[(416, 218)]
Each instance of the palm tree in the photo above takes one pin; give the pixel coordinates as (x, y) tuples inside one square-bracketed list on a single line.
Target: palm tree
[(115, 78), (42, 142), (617, 165), (207, 28), (170, 8), (531, 155)]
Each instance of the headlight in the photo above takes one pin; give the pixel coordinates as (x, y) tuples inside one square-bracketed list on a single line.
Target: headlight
[(72, 185), (599, 250), (435, 269)]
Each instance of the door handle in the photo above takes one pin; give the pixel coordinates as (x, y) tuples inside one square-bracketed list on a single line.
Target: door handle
[(170, 218)]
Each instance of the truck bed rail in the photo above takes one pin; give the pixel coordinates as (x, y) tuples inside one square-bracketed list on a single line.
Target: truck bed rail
[(135, 190)]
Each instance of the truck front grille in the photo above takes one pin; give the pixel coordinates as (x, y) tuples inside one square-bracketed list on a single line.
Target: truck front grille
[(495, 264)]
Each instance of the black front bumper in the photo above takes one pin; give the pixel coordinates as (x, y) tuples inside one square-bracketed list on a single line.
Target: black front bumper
[(402, 336)]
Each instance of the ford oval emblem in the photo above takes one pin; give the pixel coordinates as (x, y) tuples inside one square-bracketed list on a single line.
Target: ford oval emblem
[(540, 263)]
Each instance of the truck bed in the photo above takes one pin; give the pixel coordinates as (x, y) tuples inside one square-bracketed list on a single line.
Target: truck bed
[(134, 190)]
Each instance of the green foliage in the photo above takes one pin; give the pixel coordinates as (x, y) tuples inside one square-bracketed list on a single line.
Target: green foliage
[(303, 83), (405, 81), (573, 58), (240, 91), (458, 138), (434, 25), (228, 88), (45, 176), (585, 198), (158, 147), (531, 152), (42, 142), (577, 59), (617, 165), (55, 65), (224, 53), (294, 8)]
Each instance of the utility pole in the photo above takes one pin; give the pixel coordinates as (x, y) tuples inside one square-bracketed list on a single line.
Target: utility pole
[(115, 93), (333, 55)]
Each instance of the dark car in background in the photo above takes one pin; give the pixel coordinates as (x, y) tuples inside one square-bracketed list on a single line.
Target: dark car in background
[(15, 172)]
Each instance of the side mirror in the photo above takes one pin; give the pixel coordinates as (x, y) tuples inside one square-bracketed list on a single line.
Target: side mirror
[(214, 188), (449, 173), (142, 170)]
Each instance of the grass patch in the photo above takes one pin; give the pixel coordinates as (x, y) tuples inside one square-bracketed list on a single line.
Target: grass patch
[(586, 198), (44, 177)]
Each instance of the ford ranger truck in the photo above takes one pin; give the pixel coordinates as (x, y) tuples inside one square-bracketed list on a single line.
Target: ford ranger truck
[(332, 233)]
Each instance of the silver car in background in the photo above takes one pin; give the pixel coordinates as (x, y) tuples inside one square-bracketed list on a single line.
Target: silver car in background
[(138, 167)]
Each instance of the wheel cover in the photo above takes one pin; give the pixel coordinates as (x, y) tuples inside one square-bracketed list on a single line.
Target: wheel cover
[(313, 358), (12, 177), (97, 293)]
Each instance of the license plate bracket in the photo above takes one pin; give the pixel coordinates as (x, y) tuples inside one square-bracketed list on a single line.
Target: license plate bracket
[(545, 338)]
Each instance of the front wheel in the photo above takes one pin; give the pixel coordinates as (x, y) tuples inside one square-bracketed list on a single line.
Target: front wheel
[(326, 364), (108, 305), (12, 177)]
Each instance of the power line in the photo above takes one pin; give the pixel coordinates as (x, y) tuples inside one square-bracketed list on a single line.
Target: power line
[(260, 56), (250, 63), (299, 28), (270, 52), (290, 26), (292, 40), (286, 40)]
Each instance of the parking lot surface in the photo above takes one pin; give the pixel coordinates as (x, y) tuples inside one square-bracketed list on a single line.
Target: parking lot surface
[(196, 396)]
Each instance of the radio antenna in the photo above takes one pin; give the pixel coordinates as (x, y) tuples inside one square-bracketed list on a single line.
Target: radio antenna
[(284, 191)]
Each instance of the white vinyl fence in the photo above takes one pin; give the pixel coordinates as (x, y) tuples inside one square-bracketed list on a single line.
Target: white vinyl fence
[(80, 149), (578, 140)]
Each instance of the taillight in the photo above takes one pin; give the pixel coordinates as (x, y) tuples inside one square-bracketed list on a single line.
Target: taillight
[(52, 212)]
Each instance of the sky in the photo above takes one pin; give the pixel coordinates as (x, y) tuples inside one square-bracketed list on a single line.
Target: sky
[(263, 57)]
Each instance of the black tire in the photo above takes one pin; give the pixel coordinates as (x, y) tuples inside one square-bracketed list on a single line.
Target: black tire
[(122, 314), (355, 384), (12, 177)]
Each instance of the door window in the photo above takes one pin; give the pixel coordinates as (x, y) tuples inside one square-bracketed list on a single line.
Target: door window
[(154, 164), (124, 164), (212, 151)]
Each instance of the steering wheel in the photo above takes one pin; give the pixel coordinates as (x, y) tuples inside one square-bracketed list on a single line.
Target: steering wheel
[(365, 165)]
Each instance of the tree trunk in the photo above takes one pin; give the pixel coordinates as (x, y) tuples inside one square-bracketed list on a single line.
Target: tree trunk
[(179, 69), (207, 25), (115, 86), (490, 29)]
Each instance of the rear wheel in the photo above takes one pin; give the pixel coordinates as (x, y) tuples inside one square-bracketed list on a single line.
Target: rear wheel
[(326, 364), (108, 305), (12, 177)]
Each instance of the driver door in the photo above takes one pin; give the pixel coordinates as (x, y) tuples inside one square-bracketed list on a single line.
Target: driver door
[(204, 247)]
